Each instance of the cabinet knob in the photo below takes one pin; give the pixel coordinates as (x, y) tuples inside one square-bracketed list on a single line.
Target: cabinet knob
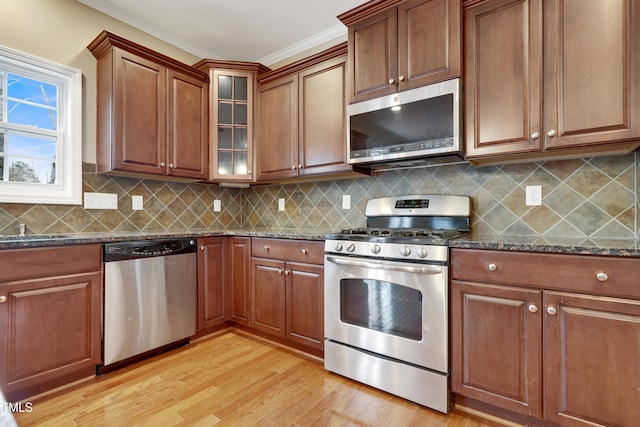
[(552, 132), (533, 308), (162, 164), (3, 298), (279, 271), (293, 167), (552, 310), (202, 248), (535, 135), (287, 272), (299, 166), (171, 166), (304, 251), (266, 248), (392, 81), (401, 78), (249, 172), (493, 267), (602, 276)]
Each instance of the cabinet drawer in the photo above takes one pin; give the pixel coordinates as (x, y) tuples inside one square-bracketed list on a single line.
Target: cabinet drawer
[(21, 264), (577, 273), (291, 250)]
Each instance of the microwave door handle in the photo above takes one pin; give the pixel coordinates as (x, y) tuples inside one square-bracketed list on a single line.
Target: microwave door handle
[(386, 266)]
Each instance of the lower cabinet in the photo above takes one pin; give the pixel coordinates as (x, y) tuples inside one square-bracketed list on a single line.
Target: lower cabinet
[(239, 280), (212, 282), (49, 318), (287, 286), (554, 337)]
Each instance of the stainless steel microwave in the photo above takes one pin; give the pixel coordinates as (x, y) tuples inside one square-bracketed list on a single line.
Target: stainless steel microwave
[(416, 124)]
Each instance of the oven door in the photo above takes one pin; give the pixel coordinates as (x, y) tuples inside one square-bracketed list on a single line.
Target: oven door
[(395, 309)]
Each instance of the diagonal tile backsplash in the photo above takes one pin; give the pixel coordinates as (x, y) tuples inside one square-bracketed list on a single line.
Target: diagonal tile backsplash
[(593, 197)]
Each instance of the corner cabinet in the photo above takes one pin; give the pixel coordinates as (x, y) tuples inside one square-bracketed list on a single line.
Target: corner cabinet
[(152, 112), (546, 336), (548, 78), (50, 302), (231, 121), (302, 118), (287, 288), (398, 45)]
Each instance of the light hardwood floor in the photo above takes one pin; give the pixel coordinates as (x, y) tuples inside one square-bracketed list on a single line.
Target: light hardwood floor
[(230, 380)]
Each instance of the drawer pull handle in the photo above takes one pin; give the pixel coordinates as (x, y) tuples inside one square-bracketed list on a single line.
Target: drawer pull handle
[(552, 310), (3, 298), (493, 267), (602, 276), (304, 251), (533, 308)]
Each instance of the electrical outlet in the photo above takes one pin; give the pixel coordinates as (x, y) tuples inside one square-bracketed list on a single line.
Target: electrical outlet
[(100, 201), (217, 206), (281, 205), (346, 201), (137, 203), (533, 195)]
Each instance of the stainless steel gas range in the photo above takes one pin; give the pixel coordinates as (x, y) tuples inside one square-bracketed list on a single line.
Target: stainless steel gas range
[(387, 296)]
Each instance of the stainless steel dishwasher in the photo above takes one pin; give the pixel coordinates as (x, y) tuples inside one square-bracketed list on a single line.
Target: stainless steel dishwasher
[(149, 298)]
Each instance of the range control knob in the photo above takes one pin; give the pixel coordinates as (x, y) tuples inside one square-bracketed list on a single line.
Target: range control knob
[(405, 251), (351, 247), (422, 252), (375, 249), (337, 246)]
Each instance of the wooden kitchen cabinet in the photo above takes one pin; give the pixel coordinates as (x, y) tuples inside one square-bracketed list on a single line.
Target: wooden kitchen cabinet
[(563, 337), (212, 282), (240, 280), (232, 100), (152, 112), (288, 290), (548, 78), (398, 45), (302, 118), (50, 318)]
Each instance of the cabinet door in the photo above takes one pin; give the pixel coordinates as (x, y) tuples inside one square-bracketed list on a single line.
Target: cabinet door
[(592, 360), (187, 122), (428, 42), (278, 130), (503, 71), (496, 345), (50, 333), (305, 304), (268, 296), (592, 69), (139, 114), (240, 279), (373, 56), (212, 280), (322, 122), (232, 125)]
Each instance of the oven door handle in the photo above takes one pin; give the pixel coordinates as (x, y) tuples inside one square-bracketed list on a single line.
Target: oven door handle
[(385, 265)]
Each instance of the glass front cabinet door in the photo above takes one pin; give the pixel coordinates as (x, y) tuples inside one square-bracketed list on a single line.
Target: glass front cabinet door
[(231, 119)]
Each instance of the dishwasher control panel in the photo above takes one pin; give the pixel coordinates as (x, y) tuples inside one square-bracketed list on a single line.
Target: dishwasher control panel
[(147, 248)]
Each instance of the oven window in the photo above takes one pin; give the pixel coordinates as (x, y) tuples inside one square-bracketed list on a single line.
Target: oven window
[(382, 306)]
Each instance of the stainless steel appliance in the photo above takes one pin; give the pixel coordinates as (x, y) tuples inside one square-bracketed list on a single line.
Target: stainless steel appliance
[(149, 296), (413, 126), (386, 296)]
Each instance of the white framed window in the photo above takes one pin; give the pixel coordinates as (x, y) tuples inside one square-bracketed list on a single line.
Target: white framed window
[(40, 130)]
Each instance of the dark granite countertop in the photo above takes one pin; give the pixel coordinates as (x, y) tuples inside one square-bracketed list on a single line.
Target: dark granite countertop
[(560, 245)]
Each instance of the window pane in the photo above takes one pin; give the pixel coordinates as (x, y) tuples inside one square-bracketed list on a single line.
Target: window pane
[(225, 162), (224, 113), (240, 86), (1, 96), (31, 146), (29, 170), (240, 114), (1, 141), (240, 138), (225, 138), (240, 164), (224, 87), (31, 102)]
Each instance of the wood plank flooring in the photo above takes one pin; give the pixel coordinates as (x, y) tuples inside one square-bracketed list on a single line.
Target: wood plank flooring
[(230, 380)]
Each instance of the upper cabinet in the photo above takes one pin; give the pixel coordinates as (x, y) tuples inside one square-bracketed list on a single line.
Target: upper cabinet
[(302, 118), (551, 75), (397, 45), (231, 121), (152, 112)]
